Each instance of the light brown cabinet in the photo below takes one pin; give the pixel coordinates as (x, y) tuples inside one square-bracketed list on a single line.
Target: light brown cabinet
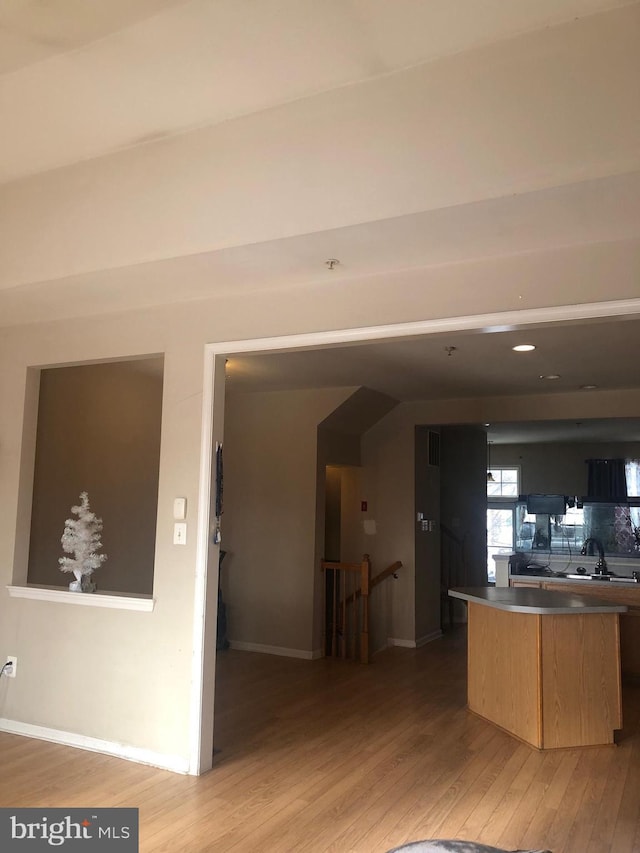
[(629, 622), (551, 677)]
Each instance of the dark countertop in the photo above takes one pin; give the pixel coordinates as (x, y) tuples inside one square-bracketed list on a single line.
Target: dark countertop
[(542, 601), (573, 578)]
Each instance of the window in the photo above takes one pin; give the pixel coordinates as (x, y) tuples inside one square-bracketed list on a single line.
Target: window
[(632, 474), (503, 482), (499, 536), (503, 488)]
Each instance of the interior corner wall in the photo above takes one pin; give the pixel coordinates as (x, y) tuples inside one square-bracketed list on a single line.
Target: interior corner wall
[(427, 485), (271, 500), (463, 497), (352, 536), (387, 485), (333, 512), (99, 432)]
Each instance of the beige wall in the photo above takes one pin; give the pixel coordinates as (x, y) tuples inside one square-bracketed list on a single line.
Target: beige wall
[(426, 487), (387, 485), (144, 698), (99, 432), (353, 541), (136, 667), (388, 476), (558, 468), (524, 124), (269, 521)]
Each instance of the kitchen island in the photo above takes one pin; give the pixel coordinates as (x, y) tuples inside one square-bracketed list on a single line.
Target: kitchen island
[(544, 665)]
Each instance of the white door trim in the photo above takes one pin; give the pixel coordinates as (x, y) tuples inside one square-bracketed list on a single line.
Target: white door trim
[(201, 715)]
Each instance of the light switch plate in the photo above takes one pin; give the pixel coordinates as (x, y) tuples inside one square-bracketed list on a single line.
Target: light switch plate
[(180, 533), (179, 509)]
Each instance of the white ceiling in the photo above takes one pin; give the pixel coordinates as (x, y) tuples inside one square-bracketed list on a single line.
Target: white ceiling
[(602, 211), (82, 79), (481, 365)]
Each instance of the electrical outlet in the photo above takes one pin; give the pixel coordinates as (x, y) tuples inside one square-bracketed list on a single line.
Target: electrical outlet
[(10, 671)]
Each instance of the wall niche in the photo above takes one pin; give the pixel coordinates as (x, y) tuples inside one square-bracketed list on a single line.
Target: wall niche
[(98, 431)]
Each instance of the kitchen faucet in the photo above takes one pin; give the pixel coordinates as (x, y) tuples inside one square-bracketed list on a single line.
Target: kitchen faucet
[(601, 565)]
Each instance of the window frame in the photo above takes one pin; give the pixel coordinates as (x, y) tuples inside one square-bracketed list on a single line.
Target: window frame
[(499, 468)]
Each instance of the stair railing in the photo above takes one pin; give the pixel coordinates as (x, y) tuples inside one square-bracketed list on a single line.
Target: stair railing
[(346, 606)]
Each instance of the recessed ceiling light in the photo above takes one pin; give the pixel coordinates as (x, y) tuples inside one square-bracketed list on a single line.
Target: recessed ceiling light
[(588, 387), (551, 376), (523, 348)]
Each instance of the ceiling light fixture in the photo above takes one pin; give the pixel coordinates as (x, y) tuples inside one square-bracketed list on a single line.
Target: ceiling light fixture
[(450, 350), (588, 387), (523, 348), (550, 376), (332, 263)]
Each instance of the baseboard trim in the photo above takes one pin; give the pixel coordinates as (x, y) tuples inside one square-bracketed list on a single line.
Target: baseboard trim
[(428, 638), (414, 644), (262, 649), (175, 763)]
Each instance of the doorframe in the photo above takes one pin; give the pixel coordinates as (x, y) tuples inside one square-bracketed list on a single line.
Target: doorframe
[(202, 697)]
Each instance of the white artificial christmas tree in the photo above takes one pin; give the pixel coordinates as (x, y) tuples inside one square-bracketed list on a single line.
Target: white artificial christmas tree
[(81, 538)]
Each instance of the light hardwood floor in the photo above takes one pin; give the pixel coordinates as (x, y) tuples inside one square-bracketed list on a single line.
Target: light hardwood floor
[(331, 756)]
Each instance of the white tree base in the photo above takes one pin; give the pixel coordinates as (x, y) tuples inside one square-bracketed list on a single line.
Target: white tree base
[(82, 583)]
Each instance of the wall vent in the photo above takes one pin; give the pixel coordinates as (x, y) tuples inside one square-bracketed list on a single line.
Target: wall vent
[(434, 449)]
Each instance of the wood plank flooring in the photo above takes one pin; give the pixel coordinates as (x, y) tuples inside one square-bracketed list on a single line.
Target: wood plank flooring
[(331, 756)]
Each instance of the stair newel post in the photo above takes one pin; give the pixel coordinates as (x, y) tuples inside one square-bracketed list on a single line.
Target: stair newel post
[(334, 614), (365, 578), (355, 621)]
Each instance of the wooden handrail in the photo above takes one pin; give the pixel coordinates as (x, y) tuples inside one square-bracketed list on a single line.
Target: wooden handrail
[(339, 604), (347, 567), (390, 570)]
